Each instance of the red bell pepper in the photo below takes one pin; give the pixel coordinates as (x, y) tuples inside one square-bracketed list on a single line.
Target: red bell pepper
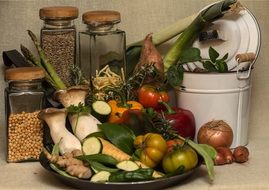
[(182, 121)]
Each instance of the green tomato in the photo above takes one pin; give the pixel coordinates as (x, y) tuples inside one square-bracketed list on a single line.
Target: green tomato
[(181, 156)]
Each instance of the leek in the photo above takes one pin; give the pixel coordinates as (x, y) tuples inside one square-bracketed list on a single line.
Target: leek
[(204, 18), (192, 24), (134, 49)]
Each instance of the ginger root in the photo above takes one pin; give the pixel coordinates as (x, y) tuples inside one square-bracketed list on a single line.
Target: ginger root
[(70, 164)]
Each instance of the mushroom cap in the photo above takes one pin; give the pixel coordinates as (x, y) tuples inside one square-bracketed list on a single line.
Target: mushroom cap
[(72, 95), (45, 113)]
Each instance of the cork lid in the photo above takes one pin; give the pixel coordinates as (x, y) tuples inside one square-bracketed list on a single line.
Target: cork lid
[(24, 73), (101, 17), (59, 12)]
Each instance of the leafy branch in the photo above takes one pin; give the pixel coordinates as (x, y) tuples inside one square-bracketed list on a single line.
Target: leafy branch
[(213, 64)]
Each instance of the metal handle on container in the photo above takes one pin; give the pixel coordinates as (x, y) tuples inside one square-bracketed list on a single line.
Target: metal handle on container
[(245, 62)]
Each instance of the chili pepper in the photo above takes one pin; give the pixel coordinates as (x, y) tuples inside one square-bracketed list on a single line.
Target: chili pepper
[(119, 107), (181, 120), (141, 174)]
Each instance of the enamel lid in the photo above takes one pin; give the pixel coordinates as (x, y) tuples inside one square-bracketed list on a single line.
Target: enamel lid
[(237, 34)]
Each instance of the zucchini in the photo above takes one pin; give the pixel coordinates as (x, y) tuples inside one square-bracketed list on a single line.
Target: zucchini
[(127, 165), (101, 176), (101, 110), (97, 167), (102, 158), (91, 145), (97, 134)]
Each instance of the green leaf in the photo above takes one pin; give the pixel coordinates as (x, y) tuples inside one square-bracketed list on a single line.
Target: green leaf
[(121, 136), (80, 108), (136, 155), (97, 166), (210, 150), (221, 66), (213, 54), (56, 149), (206, 156), (102, 158), (61, 172), (209, 66), (225, 57), (190, 55), (175, 75)]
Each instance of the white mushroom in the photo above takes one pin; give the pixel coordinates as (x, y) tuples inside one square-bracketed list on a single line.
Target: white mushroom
[(55, 119), (82, 125)]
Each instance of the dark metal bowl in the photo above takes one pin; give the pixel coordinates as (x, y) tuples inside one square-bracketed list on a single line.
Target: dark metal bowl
[(86, 184)]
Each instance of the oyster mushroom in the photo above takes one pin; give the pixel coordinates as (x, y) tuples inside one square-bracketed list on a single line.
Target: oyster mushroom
[(82, 124), (55, 119)]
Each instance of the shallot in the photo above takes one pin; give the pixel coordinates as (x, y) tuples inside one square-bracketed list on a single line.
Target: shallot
[(150, 55), (226, 153), (241, 154)]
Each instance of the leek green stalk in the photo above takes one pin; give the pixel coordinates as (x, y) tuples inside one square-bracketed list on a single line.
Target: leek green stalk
[(189, 27), (204, 18), (134, 49)]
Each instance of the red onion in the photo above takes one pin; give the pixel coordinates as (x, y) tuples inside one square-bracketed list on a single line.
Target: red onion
[(216, 133)]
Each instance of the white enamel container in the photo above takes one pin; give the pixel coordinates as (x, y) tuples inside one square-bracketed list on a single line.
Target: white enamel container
[(226, 96)]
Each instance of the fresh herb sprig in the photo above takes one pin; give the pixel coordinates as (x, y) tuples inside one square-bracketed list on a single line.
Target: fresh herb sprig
[(175, 72), (79, 109), (215, 64), (77, 76)]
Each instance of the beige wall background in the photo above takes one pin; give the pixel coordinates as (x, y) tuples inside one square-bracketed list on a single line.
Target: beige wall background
[(139, 17)]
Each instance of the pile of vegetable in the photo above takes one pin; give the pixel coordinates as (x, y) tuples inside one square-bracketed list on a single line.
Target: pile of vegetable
[(123, 129), (219, 134)]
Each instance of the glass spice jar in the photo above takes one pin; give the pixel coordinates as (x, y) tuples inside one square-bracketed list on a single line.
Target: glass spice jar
[(102, 43), (58, 39), (24, 98)]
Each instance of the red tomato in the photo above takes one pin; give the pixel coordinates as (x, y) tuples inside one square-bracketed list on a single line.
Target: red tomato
[(172, 144), (149, 96)]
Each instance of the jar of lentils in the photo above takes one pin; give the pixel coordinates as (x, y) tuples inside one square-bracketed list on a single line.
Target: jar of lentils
[(58, 39), (24, 99)]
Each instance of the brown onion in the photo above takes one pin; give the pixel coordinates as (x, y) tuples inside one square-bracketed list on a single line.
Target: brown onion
[(216, 133)]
